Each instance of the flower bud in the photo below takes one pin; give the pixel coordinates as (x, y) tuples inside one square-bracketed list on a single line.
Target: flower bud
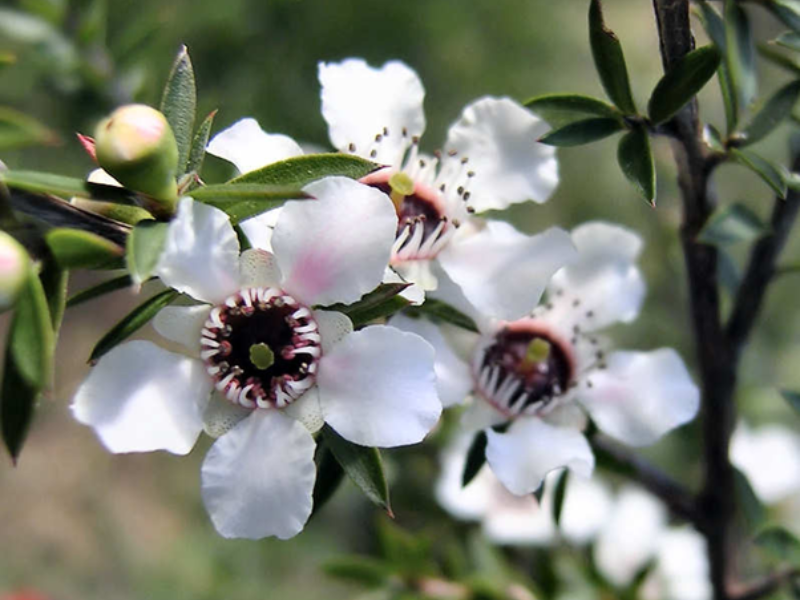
[(136, 146), (14, 265)]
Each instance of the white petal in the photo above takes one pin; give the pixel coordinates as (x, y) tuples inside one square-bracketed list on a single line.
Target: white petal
[(182, 324), (307, 410), (359, 102), (201, 253), (334, 249), (141, 398), (531, 448), (468, 503), (377, 387), (222, 415), (453, 380), (770, 458), (630, 537), (498, 136), (504, 272), (682, 571), (479, 414), (259, 268), (587, 505), (604, 280), (257, 479), (640, 396), (101, 176), (249, 147), (450, 292), (333, 327), (259, 229)]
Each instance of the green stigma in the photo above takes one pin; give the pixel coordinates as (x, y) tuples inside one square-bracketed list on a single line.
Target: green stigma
[(402, 185), (538, 351), (261, 356)]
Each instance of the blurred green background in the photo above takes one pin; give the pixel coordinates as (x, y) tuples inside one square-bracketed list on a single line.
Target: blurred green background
[(82, 524)]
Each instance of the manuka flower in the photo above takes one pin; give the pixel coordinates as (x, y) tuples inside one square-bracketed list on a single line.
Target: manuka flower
[(262, 368), (529, 375)]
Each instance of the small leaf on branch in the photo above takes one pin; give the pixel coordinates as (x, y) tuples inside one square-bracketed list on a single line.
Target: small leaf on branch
[(241, 201), (682, 82), (476, 458), (17, 406), (65, 187), (299, 171), (382, 302), (18, 130), (132, 322), (441, 311), (713, 24), (731, 224), (740, 56), (198, 150), (145, 244), (787, 11), (76, 249), (792, 398), (559, 495), (728, 272), (779, 58), (747, 500), (179, 103), (329, 475), (767, 171), (31, 338), (365, 570), (363, 466), (636, 161), (101, 289), (54, 282), (582, 132), (559, 109), (609, 60), (780, 543), (772, 113), (790, 40)]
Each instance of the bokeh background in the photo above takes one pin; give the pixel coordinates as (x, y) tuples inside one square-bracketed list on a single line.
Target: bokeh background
[(78, 523)]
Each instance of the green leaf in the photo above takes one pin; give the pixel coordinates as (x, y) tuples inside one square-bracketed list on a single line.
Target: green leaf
[(780, 543), (767, 171), (299, 171), (132, 322), (363, 466), (476, 458), (682, 82), (329, 475), (731, 224), (793, 398), (609, 60), (382, 302), (747, 500), (538, 493), (76, 249), (441, 311), (559, 109), (636, 161), (772, 113), (409, 555), (179, 103), (101, 289), (145, 244), (713, 24), (558, 496), (365, 570), (18, 130), (65, 187), (229, 194), (787, 11), (790, 40), (779, 58), (198, 150), (582, 132), (54, 282), (728, 272), (17, 405), (715, 27), (740, 56), (92, 29), (31, 338)]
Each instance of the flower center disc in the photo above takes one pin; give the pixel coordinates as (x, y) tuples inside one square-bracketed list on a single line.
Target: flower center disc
[(261, 347), (522, 369)]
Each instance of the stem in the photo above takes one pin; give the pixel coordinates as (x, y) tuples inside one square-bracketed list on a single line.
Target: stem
[(766, 586)]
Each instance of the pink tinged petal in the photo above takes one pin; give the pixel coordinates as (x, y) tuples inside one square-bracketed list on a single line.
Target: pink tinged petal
[(640, 396), (453, 380), (360, 102), (334, 249), (503, 272), (249, 147), (259, 268), (333, 327), (141, 398), (259, 229), (377, 387), (499, 137), (531, 448), (182, 325), (307, 410), (201, 253), (257, 479), (604, 280)]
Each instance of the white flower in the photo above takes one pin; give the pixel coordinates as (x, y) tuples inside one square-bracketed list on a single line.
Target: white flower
[(282, 366), (770, 458), (533, 374)]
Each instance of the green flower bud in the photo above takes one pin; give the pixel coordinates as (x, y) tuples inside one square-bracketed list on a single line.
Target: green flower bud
[(14, 265), (136, 146)]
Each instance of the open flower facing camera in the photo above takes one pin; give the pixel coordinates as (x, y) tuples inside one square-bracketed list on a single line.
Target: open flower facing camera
[(261, 368), (532, 374)]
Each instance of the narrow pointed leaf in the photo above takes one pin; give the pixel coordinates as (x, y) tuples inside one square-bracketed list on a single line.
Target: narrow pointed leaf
[(299, 171), (31, 338), (329, 475), (636, 161), (740, 52), (132, 322), (729, 274), (715, 27), (559, 109), (76, 249), (145, 244), (363, 570), (768, 172), (790, 40), (713, 24), (199, 143), (476, 458), (731, 224), (363, 466), (780, 59), (559, 495), (792, 399), (441, 311), (380, 303), (777, 108), (609, 60), (682, 82), (179, 103), (54, 282), (780, 543), (65, 187), (101, 289), (787, 11), (582, 132), (230, 194), (17, 406), (18, 130)]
